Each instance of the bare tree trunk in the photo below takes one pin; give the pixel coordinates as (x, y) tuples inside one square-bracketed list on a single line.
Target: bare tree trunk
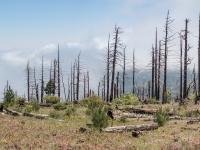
[(63, 85), (88, 79), (156, 71), (78, 77), (84, 85), (117, 84), (108, 68), (54, 76), (134, 71), (159, 67), (36, 86), (104, 87), (199, 60), (181, 84), (98, 88), (152, 80), (123, 81), (42, 82), (58, 72), (71, 84), (149, 89), (74, 80), (195, 89), (28, 80), (185, 62), (114, 61)]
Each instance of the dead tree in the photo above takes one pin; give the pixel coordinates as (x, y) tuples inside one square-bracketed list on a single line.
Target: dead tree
[(84, 86), (54, 76), (181, 84), (63, 85), (117, 79), (108, 69), (195, 88), (36, 86), (159, 70), (58, 71), (152, 80), (199, 60), (167, 39), (155, 67), (88, 80), (71, 84), (78, 77), (134, 71), (99, 88), (28, 80), (42, 82), (115, 56), (124, 69)]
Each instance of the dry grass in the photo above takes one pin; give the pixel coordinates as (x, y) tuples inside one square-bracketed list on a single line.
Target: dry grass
[(30, 133)]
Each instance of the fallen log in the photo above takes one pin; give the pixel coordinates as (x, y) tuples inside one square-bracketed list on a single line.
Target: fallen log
[(12, 112), (84, 129), (142, 127)]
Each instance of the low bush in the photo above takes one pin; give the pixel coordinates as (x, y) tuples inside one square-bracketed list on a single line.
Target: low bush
[(70, 111), (123, 119), (54, 114), (59, 106), (161, 117), (35, 105), (20, 100), (129, 99), (28, 109), (191, 113), (52, 99), (153, 101)]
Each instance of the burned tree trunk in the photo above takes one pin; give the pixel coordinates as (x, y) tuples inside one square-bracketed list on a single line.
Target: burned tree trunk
[(71, 84), (98, 88), (74, 69), (152, 80), (199, 60), (156, 71), (133, 71), (88, 79), (159, 67), (78, 77), (54, 76), (42, 82), (185, 61), (28, 80), (58, 72), (114, 58), (181, 91), (63, 86), (108, 69), (117, 78), (124, 68)]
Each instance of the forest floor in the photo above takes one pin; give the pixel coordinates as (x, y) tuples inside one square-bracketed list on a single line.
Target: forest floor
[(21, 132)]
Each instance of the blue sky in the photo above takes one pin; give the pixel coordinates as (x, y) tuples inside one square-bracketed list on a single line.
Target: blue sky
[(30, 29)]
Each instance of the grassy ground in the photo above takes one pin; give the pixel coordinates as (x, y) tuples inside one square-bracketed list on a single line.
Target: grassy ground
[(30, 133)]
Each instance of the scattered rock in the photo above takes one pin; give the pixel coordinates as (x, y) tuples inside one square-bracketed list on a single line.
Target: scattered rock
[(84, 129)]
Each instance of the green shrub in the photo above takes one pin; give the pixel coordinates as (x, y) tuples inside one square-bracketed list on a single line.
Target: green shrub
[(17, 108), (59, 106), (35, 105), (70, 111), (98, 112), (94, 102), (52, 99), (54, 114), (20, 100), (100, 118), (191, 113), (153, 101), (68, 103), (122, 119), (161, 117), (28, 109), (117, 101)]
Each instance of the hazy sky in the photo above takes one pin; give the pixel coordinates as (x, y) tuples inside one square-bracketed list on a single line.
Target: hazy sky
[(30, 29)]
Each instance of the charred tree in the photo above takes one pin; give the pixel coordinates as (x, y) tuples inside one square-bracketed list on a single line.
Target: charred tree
[(28, 80), (199, 60), (58, 72), (134, 71), (88, 80), (168, 38), (185, 61), (108, 69), (124, 69), (78, 77), (152, 75), (117, 78), (156, 66), (159, 70), (181, 84), (115, 57), (42, 82)]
